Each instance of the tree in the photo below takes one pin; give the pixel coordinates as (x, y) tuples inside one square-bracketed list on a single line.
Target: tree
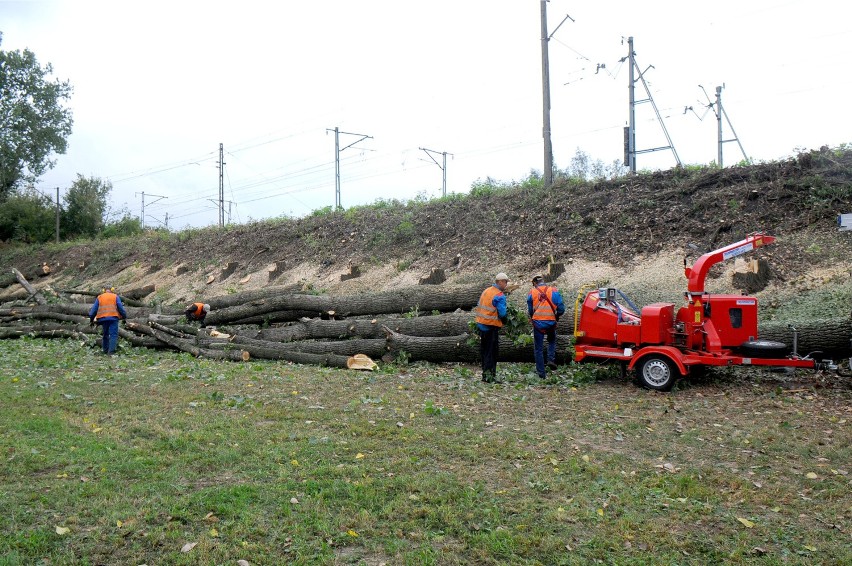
[(34, 123), (85, 207), (27, 216)]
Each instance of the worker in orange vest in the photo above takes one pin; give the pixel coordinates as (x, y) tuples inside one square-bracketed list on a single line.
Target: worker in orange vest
[(106, 312), (545, 306), (490, 316), (197, 311)]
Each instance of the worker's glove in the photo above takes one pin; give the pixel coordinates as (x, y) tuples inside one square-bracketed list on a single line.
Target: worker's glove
[(92, 322), (123, 322), (504, 319)]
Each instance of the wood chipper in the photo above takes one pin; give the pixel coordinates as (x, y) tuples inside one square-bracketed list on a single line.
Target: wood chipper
[(662, 343)]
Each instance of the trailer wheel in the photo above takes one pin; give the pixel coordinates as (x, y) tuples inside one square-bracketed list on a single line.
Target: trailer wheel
[(763, 349), (657, 372)]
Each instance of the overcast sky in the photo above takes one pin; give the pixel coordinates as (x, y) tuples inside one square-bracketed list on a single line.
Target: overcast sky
[(159, 85)]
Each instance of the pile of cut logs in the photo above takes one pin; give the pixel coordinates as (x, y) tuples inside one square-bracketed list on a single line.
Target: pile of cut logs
[(423, 323)]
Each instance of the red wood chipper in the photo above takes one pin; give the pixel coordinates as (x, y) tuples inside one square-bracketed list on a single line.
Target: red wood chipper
[(662, 343)]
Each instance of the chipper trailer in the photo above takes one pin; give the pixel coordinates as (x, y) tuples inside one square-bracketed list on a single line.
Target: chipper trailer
[(662, 343)]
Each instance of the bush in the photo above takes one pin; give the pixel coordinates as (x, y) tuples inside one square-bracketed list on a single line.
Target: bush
[(28, 217)]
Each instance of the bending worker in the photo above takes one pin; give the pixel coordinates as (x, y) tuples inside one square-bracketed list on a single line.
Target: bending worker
[(490, 316), (107, 311), (197, 311), (545, 306)]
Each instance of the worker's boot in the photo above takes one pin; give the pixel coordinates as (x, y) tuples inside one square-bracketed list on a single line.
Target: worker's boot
[(552, 365)]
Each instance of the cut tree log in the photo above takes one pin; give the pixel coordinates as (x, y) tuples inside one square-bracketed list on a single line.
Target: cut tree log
[(187, 346), (450, 324), (375, 348), (127, 301), (385, 302), (39, 298), (457, 348), (234, 299), (832, 337)]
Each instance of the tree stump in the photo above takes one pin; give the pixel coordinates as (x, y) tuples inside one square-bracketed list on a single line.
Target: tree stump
[(435, 277), (354, 271), (755, 278), (554, 270), (276, 271), (228, 270)]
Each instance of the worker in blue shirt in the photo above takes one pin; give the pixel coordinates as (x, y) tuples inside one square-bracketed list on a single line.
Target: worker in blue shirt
[(490, 316), (544, 306), (107, 311)]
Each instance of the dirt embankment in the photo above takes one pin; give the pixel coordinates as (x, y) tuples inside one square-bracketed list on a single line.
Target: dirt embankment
[(631, 231)]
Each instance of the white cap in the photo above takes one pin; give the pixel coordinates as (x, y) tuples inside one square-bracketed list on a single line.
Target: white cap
[(501, 277)]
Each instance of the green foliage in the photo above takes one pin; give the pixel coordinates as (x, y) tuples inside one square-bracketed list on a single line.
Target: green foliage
[(517, 326), (431, 409), (324, 211), (27, 216), (85, 207), (404, 230), (413, 313), (33, 121), (125, 226), (488, 187)]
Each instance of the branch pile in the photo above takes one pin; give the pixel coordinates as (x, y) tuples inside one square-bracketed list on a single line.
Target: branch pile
[(427, 323)]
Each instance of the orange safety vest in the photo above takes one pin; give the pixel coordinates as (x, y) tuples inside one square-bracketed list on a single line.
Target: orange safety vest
[(199, 308), (542, 302), (107, 305), (486, 312)]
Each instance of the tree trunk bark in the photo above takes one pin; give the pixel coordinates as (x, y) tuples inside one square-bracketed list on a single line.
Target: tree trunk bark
[(225, 301), (374, 348), (424, 299), (457, 349), (831, 337), (450, 324), (185, 345), (39, 298)]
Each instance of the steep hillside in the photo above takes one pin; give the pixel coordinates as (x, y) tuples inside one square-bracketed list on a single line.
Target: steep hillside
[(632, 231)]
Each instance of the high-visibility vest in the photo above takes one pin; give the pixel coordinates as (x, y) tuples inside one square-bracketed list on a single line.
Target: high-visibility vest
[(543, 308), (199, 309), (486, 312), (107, 305)]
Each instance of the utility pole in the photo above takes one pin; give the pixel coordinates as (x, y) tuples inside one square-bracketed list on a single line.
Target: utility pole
[(443, 167), (337, 150), (57, 215), (719, 124), (545, 90), (630, 133), (720, 111), (159, 197), (221, 187)]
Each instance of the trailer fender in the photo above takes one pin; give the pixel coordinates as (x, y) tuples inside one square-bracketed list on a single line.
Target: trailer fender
[(675, 355)]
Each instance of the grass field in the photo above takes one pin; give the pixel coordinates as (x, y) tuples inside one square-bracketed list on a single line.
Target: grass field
[(134, 459)]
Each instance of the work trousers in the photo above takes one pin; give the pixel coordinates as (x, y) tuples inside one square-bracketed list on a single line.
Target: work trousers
[(538, 347), (109, 342), (489, 348)]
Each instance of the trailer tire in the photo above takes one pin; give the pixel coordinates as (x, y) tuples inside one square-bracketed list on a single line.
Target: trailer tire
[(763, 349), (657, 372)]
